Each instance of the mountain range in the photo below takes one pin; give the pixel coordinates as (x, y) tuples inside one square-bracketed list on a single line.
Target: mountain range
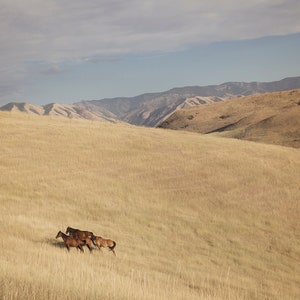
[(151, 109)]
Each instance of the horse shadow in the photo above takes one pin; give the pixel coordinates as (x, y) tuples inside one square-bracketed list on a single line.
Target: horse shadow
[(54, 243)]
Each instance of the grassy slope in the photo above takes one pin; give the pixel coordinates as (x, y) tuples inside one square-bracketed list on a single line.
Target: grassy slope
[(193, 216), (271, 118)]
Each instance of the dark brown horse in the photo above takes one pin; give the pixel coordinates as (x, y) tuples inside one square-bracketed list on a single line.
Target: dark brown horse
[(80, 234), (105, 243), (70, 241), (86, 236)]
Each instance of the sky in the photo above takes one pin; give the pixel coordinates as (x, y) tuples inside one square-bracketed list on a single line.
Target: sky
[(66, 51)]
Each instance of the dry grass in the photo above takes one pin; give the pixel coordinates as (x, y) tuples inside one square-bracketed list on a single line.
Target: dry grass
[(193, 216), (271, 118)]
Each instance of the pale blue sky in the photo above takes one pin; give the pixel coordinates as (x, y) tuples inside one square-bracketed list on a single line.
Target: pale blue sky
[(67, 51)]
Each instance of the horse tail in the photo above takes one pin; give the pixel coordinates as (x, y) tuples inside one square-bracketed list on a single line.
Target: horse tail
[(113, 246), (93, 240)]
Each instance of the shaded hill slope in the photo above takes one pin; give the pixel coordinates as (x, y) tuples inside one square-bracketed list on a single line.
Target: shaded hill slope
[(269, 118), (194, 216)]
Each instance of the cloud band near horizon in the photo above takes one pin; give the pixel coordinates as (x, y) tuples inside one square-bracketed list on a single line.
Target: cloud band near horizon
[(54, 32)]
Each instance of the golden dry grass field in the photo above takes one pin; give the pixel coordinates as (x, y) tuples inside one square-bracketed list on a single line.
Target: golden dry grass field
[(193, 216)]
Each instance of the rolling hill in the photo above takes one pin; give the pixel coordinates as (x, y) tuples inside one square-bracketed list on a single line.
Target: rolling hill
[(269, 118), (194, 216), (152, 108)]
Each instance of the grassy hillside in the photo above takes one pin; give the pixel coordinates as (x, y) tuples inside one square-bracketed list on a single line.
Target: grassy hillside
[(272, 118), (194, 217)]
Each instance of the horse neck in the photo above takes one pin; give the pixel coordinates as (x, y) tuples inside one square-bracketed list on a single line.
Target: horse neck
[(64, 236)]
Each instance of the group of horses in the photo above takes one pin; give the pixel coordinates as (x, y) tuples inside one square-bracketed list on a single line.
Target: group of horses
[(79, 238)]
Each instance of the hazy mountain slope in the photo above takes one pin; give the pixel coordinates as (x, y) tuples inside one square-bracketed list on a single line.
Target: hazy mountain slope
[(144, 110), (194, 217), (23, 107), (153, 108), (63, 110), (270, 118), (230, 89)]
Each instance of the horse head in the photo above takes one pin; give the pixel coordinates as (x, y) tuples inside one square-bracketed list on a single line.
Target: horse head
[(58, 234)]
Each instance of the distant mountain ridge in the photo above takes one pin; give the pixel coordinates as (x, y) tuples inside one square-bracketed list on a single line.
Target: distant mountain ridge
[(151, 109)]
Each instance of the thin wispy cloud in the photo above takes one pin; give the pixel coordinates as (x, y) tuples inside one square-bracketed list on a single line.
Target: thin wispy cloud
[(55, 31)]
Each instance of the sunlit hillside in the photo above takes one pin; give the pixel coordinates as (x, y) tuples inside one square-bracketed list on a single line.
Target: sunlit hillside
[(272, 118), (194, 217)]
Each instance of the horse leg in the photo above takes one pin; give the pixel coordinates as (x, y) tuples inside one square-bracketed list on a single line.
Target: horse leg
[(80, 248), (90, 248), (68, 247)]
